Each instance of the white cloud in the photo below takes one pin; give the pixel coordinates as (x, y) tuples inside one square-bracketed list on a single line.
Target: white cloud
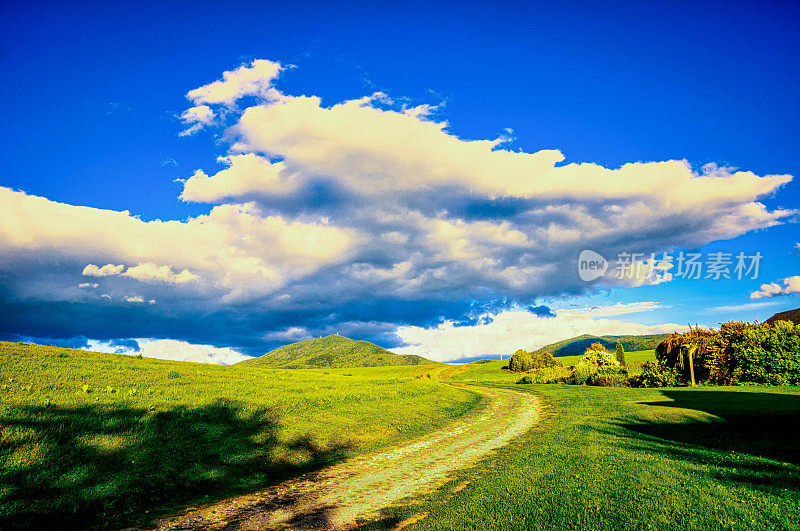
[(245, 174), (746, 307), (253, 80), (513, 329), (235, 247), (92, 270), (375, 151), (134, 298), (368, 204), (150, 272), (169, 349), (790, 285), (196, 118), (88, 285)]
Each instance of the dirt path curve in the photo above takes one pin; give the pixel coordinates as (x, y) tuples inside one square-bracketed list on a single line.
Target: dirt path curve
[(334, 497)]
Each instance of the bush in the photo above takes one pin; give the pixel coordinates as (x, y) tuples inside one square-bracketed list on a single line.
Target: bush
[(549, 375), (737, 353), (543, 360), (654, 374), (619, 379), (581, 373), (768, 354), (521, 361), (702, 343), (173, 374), (525, 380), (598, 355)]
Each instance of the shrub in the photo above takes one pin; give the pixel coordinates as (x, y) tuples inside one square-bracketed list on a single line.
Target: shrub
[(768, 354), (737, 353), (654, 374), (702, 343), (549, 375), (609, 380), (525, 380), (581, 373), (543, 360), (613, 376), (598, 355), (173, 374), (521, 361)]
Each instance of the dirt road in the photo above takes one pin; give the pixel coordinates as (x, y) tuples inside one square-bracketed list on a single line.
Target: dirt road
[(334, 497)]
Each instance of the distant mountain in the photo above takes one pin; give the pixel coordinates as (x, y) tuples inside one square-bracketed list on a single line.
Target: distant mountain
[(577, 345), (788, 315), (332, 352)]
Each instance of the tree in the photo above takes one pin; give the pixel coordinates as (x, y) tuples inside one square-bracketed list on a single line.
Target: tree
[(521, 361), (621, 354), (544, 360)]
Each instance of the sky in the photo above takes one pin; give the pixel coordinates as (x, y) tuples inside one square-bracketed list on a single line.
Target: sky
[(209, 182)]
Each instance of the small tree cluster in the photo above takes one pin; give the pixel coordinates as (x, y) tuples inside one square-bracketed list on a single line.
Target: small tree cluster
[(521, 361)]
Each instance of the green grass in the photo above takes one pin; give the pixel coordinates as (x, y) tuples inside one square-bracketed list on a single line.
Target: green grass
[(621, 458), (98, 440), (333, 351), (633, 359)]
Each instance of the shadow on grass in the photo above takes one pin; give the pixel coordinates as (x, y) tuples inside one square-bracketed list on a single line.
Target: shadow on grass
[(746, 427), (109, 466)]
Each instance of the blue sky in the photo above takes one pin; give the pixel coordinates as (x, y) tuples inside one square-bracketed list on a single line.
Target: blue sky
[(91, 106)]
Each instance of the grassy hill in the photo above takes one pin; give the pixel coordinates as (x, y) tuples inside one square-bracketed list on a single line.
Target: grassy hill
[(789, 315), (333, 351), (577, 345), (92, 440)]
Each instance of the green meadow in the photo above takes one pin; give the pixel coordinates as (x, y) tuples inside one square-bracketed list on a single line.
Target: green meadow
[(633, 359), (94, 440), (622, 458)]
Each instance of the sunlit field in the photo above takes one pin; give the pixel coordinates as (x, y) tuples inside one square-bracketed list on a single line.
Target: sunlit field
[(100, 440), (613, 458)]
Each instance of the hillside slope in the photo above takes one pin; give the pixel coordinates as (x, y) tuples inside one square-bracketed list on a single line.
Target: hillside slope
[(577, 345), (789, 315), (333, 351)]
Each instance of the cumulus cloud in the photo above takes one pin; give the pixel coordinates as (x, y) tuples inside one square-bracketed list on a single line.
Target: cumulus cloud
[(92, 270), (512, 329), (247, 80), (235, 247), (150, 272), (790, 285), (196, 118), (358, 217), (246, 174), (88, 285), (169, 349)]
